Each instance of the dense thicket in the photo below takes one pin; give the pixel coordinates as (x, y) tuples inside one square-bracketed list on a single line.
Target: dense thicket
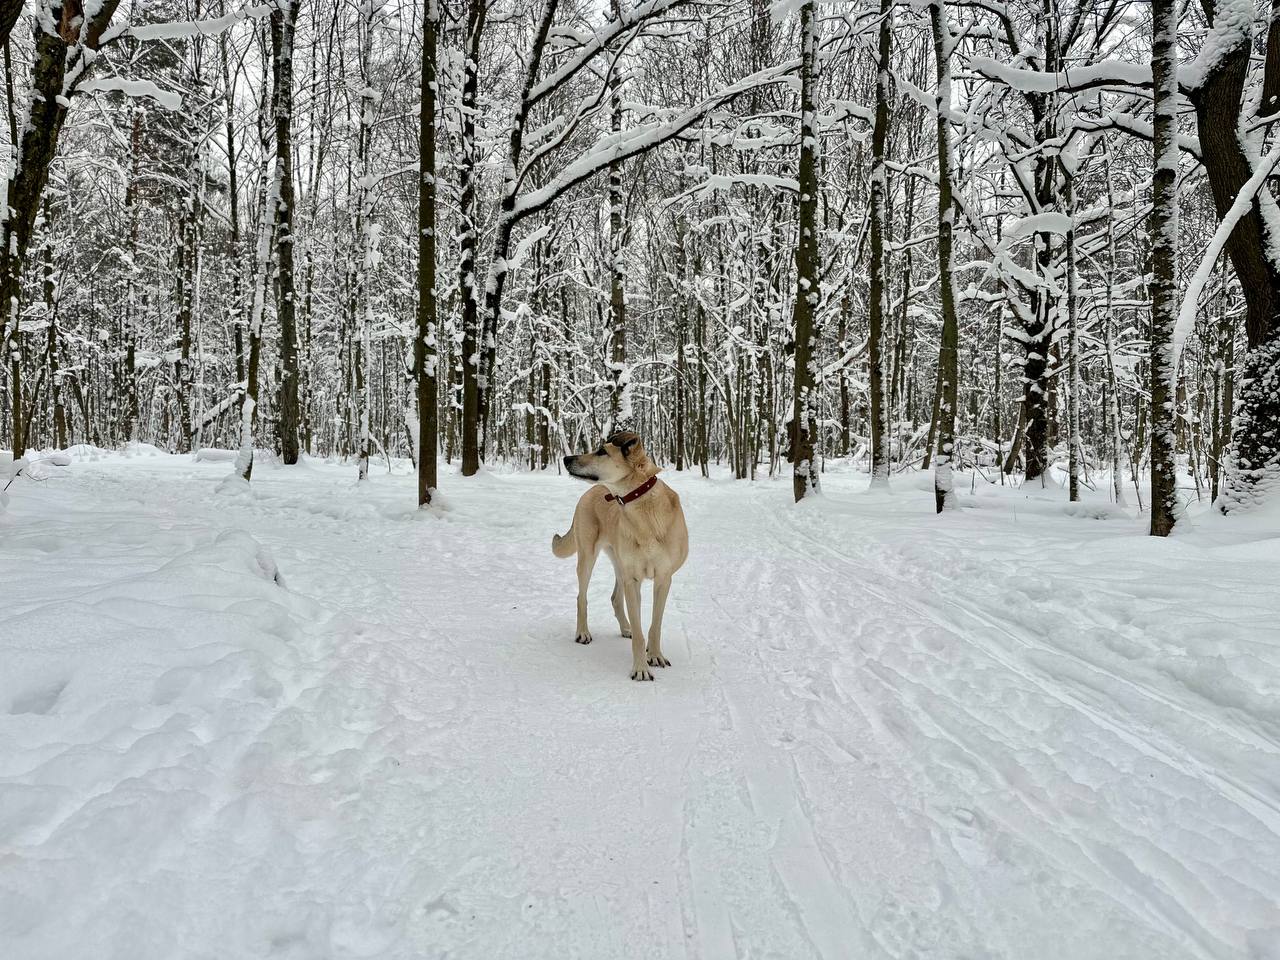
[(215, 234)]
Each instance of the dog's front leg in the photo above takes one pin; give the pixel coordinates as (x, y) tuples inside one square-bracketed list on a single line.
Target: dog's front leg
[(586, 563), (660, 590), (639, 666)]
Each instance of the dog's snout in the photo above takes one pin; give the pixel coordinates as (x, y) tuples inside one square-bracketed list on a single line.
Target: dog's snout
[(568, 462)]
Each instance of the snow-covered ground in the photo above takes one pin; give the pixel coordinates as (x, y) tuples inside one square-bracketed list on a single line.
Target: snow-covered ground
[(307, 721)]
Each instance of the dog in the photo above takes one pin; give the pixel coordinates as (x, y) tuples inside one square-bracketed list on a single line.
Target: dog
[(636, 519)]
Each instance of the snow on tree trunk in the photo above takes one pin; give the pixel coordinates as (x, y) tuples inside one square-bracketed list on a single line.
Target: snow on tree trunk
[(425, 352), (367, 235), (1113, 419), (284, 19), (805, 317), (187, 253), (880, 452), (261, 281), (1164, 256), (620, 412), (948, 366), (468, 241), (1075, 452)]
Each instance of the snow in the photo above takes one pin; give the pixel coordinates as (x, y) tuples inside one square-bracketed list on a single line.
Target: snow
[(1108, 73), (1059, 223), (135, 88), (1232, 26), (194, 28), (302, 719)]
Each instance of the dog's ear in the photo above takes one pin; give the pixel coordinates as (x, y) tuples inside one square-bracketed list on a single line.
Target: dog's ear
[(624, 440)]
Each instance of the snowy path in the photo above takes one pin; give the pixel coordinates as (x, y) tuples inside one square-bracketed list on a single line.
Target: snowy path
[(1012, 733)]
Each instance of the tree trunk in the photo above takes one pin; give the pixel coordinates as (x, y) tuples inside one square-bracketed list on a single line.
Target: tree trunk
[(620, 413), (805, 473), (468, 242), (682, 334), (235, 310), (880, 452), (188, 234), (1254, 458), (948, 366), (425, 355), (1075, 450), (700, 347), (261, 281), (1164, 260), (284, 20), (1113, 418), (367, 235), (51, 312), (1038, 333), (842, 346)]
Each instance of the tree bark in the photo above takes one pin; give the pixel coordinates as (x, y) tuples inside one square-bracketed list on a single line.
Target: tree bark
[(51, 314), (284, 19), (805, 472), (682, 335), (468, 242), (425, 355), (1075, 449), (948, 366), (880, 453), (1164, 261), (620, 413)]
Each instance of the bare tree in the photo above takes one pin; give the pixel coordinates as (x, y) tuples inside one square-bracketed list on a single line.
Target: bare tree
[(1164, 256), (284, 20), (879, 408), (425, 343), (948, 361), (805, 317)]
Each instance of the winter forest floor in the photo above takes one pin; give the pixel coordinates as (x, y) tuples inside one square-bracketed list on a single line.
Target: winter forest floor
[(1020, 731)]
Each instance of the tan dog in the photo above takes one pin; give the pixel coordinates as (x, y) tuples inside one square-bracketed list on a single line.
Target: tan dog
[(636, 519)]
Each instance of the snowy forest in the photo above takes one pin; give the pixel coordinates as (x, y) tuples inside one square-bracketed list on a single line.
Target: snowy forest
[(1025, 233), (902, 376)]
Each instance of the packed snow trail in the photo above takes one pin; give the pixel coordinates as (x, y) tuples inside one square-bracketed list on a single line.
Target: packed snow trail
[(308, 721)]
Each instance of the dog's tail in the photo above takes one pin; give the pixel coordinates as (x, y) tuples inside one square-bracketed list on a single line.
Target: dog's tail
[(564, 547)]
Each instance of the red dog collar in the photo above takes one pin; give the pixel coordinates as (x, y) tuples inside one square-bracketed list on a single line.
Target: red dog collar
[(635, 494)]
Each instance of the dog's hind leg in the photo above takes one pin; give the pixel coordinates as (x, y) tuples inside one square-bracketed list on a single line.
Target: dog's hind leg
[(586, 563), (617, 598), (619, 611), (660, 590)]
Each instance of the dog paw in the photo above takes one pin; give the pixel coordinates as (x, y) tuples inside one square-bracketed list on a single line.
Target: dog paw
[(582, 638), (641, 674), (658, 660), (626, 634)]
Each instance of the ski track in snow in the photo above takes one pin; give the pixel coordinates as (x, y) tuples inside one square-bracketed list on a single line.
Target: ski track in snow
[(307, 721)]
